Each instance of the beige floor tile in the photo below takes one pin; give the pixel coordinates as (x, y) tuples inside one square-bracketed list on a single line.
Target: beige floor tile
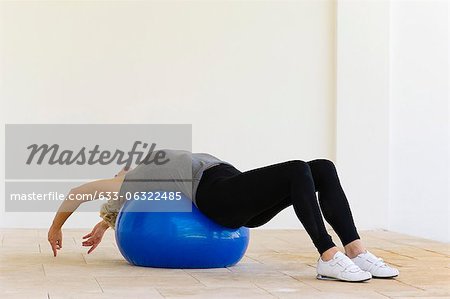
[(282, 257), (28, 248), (25, 258), (278, 264), (350, 295), (281, 283), (246, 259), (107, 257), (211, 270), (25, 232), (294, 292), (304, 271), (416, 293), (142, 283), (215, 292), (149, 295), (68, 247), (24, 285), (371, 285), (21, 271), (75, 284), (18, 241), (417, 253), (251, 268), (265, 279), (24, 295), (222, 279), (115, 270)]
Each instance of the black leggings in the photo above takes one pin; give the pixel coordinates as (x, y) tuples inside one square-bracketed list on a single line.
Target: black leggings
[(233, 198)]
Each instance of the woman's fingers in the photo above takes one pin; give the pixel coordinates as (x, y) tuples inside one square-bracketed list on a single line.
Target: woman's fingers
[(91, 241), (55, 239), (88, 235), (93, 238), (88, 242), (54, 249), (54, 246), (92, 248)]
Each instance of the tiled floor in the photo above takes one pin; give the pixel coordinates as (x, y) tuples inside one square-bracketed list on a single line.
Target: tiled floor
[(278, 264)]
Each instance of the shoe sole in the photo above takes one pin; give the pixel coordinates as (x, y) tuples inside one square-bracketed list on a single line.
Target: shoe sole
[(323, 277), (384, 277)]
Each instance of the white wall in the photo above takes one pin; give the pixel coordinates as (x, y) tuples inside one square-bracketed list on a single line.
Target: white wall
[(362, 102), (256, 79), (419, 119), (393, 114), (261, 82)]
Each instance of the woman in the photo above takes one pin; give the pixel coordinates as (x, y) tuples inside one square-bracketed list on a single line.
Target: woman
[(252, 198)]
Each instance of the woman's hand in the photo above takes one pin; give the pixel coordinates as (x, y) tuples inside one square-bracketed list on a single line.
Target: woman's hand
[(95, 236), (55, 238)]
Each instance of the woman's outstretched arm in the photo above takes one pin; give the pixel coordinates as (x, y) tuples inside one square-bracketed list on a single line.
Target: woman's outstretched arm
[(86, 192)]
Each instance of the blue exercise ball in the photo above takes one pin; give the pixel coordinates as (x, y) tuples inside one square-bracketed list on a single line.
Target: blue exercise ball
[(177, 239)]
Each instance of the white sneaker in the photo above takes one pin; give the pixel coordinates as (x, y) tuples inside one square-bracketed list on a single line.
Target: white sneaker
[(340, 267), (376, 266)]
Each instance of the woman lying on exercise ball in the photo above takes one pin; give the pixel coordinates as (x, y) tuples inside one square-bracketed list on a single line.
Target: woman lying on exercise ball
[(252, 198)]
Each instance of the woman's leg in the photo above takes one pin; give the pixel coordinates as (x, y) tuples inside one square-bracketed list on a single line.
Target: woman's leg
[(268, 214), (254, 197), (333, 203), (237, 199), (332, 200)]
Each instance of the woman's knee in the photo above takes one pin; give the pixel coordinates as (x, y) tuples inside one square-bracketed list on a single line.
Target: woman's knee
[(322, 164), (298, 167), (323, 172)]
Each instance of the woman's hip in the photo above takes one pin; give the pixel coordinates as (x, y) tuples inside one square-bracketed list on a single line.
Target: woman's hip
[(213, 203)]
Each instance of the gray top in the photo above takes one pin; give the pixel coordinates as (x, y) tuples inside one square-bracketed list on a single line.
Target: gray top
[(182, 172)]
